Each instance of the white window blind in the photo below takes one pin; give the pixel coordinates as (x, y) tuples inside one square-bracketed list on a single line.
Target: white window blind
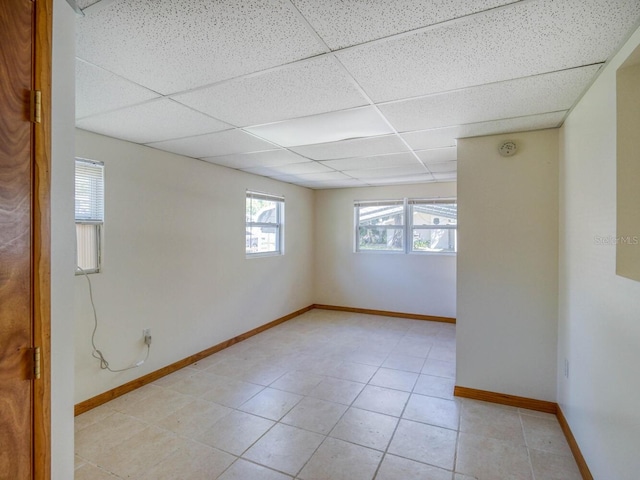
[(89, 191)]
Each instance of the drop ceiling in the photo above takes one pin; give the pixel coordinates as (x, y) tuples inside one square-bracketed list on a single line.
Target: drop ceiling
[(337, 93)]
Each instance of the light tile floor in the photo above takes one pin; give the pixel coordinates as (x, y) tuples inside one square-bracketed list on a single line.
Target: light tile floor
[(327, 395)]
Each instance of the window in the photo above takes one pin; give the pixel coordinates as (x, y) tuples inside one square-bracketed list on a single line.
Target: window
[(89, 214), (406, 226), (434, 225), (380, 226), (264, 224)]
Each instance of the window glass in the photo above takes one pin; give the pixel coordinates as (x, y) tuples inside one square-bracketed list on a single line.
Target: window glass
[(380, 226), (264, 224), (89, 214), (434, 226), (406, 226)]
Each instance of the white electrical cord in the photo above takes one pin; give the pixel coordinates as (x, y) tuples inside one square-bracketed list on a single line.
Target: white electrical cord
[(104, 365)]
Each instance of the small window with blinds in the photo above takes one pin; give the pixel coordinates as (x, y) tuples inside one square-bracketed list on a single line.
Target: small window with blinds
[(89, 213), (264, 233), (434, 225), (380, 226)]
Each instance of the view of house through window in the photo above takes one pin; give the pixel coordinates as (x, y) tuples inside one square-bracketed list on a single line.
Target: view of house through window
[(380, 225), (433, 225), (264, 223), (405, 226), (89, 214)]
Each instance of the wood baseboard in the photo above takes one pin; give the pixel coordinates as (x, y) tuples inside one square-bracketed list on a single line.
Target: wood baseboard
[(575, 449), (98, 400), (532, 404), (504, 399), (493, 397), (385, 313)]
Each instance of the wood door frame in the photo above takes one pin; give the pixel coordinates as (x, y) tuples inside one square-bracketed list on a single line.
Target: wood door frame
[(41, 246)]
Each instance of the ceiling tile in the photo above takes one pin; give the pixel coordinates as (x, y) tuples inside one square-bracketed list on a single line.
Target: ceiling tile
[(434, 138), (438, 155), (317, 177), (267, 158), (161, 119), (508, 125), (212, 144), (327, 184), (398, 171), (358, 147), (343, 23), (291, 169), (326, 127), (528, 38), (377, 161), (99, 91), (304, 88), (443, 167), (446, 136), (526, 96), (403, 179), (154, 43), (445, 177)]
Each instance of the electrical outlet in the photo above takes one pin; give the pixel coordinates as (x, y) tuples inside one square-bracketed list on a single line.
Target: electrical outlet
[(146, 332), (566, 368)]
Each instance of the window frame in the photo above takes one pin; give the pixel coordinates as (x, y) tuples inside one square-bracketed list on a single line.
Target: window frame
[(382, 203), (96, 218), (413, 228), (279, 200), (408, 228)]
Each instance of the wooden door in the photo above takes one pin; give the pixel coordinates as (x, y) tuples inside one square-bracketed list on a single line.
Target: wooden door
[(23, 268)]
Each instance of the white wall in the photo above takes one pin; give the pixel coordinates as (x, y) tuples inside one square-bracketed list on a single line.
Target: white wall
[(508, 265), (599, 314), (415, 283), (174, 260), (62, 240)]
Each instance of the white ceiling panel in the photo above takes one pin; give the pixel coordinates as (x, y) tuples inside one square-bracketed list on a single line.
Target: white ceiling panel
[(528, 38), (445, 177), (398, 171), (318, 177), (443, 137), (327, 184), (213, 144), (358, 147), (526, 96), (301, 89), (343, 23), (443, 167), (378, 161), (161, 119), (434, 138), (437, 155), (174, 45), (291, 169), (331, 184), (326, 127), (267, 158), (403, 179), (509, 125), (99, 91)]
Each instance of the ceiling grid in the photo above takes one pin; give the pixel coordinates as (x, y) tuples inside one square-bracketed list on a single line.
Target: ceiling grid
[(337, 93)]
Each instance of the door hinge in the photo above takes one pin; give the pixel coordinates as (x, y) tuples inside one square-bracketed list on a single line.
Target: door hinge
[(36, 106), (35, 366)]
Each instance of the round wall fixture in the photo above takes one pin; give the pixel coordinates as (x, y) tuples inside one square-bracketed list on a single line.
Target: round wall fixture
[(507, 149)]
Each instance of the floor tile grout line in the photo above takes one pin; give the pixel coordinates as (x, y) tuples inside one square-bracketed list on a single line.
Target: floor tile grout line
[(317, 351)]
